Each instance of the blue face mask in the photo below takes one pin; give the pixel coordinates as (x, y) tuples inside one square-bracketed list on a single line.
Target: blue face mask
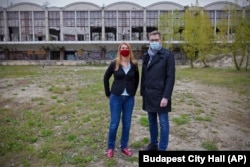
[(155, 45)]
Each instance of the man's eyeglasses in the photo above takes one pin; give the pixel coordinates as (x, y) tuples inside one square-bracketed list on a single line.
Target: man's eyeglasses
[(154, 40)]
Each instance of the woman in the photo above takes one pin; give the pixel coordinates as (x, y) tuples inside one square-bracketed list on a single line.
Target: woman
[(121, 96)]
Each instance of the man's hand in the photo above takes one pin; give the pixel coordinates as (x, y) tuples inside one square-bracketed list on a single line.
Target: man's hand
[(164, 102)]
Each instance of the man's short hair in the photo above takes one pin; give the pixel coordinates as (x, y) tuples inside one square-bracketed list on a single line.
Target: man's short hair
[(154, 33)]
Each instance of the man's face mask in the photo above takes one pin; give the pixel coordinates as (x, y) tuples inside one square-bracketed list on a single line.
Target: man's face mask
[(154, 45)]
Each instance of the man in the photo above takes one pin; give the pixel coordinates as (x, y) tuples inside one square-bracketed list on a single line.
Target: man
[(157, 83)]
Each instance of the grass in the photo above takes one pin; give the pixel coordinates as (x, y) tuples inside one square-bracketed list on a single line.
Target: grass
[(141, 143), (182, 119), (209, 145), (144, 121), (69, 124), (61, 134), (228, 78)]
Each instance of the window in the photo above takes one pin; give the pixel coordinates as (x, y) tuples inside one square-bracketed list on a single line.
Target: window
[(69, 18), (26, 26), (82, 25), (123, 25), (110, 22), (13, 25), (54, 19), (39, 25), (137, 23)]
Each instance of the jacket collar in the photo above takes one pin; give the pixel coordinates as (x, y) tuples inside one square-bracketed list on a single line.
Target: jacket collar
[(156, 58)]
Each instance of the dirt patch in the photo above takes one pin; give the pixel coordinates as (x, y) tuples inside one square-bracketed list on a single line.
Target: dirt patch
[(216, 115), (228, 124), (227, 112)]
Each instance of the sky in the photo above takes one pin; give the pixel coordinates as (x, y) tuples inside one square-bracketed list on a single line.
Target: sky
[(144, 3)]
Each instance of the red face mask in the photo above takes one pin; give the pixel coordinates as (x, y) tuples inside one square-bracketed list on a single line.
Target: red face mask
[(124, 53)]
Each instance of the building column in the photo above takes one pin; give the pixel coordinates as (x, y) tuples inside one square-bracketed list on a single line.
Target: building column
[(244, 12), (48, 53), (46, 25), (61, 53), (130, 27), (33, 26), (144, 24), (75, 26), (117, 25), (19, 26), (89, 26), (215, 22), (103, 25), (6, 32), (61, 25)]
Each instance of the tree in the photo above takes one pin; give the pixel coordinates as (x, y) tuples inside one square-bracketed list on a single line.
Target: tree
[(205, 37), (190, 34), (198, 35), (171, 27), (234, 33), (241, 43)]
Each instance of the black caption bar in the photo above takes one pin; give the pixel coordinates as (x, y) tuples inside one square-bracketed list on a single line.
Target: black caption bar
[(194, 158)]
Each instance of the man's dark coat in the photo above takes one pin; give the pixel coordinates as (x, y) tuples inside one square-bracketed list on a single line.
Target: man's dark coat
[(157, 80)]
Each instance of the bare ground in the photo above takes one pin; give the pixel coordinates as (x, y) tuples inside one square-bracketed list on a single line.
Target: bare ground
[(225, 118), (216, 115)]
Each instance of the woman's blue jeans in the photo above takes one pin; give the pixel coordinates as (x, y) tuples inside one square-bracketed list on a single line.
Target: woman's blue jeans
[(120, 106), (164, 129)]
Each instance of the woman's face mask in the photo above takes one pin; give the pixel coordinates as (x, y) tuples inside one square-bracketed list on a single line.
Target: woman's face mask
[(124, 53)]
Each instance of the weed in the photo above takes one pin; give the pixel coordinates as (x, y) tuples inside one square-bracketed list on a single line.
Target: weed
[(140, 143), (209, 145), (182, 119), (144, 121), (199, 118)]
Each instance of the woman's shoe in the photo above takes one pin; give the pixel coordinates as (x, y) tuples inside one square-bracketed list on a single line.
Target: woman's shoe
[(110, 153), (127, 152)]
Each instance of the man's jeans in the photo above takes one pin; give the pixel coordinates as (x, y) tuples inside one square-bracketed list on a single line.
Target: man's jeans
[(164, 129), (120, 106)]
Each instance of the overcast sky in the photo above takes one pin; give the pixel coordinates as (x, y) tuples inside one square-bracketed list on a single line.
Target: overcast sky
[(144, 3)]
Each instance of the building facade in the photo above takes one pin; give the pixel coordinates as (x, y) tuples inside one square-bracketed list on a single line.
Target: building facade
[(86, 31)]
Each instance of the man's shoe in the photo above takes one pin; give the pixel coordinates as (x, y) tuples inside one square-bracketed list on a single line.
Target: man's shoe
[(151, 147), (127, 152), (110, 153)]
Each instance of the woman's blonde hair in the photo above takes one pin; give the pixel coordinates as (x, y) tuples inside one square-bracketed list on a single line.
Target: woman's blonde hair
[(118, 55)]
